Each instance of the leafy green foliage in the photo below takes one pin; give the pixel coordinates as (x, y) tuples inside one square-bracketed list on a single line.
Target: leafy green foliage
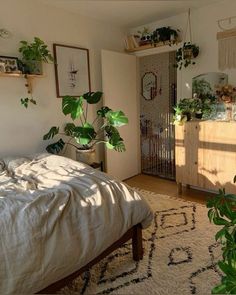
[(51, 133), (116, 119), (185, 55), (69, 129), (114, 140), (222, 212), (85, 134), (164, 34), (93, 97), (103, 111), (56, 147), (36, 50), (72, 106), (25, 101), (187, 108)]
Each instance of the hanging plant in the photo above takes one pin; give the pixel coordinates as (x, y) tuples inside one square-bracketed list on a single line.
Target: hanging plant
[(185, 55), (189, 51)]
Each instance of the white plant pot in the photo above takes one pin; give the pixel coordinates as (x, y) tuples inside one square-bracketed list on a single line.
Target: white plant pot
[(86, 156)]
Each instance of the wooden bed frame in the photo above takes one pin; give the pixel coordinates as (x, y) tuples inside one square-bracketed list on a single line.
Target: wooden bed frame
[(135, 233)]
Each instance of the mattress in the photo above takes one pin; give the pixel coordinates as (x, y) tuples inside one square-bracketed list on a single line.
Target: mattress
[(56, 215)]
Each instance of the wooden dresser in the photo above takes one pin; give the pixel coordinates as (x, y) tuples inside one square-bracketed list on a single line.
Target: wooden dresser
[(206, 155)]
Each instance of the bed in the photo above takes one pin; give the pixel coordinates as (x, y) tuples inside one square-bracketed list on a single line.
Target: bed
[(58, 217)]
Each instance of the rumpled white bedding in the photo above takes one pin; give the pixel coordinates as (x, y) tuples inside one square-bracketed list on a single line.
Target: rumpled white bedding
[(56, 215)]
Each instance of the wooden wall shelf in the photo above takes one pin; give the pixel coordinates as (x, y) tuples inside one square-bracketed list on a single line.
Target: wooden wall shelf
[(28, 78), (151, 46), (19, 75)]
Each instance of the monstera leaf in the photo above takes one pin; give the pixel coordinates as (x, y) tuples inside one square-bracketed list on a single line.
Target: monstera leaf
[(73, 106), (69, 129), (56, 147), (117, 118), (114, 140), (84, 134), (103, 111), (92, 97), (51, 133)]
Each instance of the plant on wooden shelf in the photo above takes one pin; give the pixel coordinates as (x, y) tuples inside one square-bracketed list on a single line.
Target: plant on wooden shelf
[(33, 55), (86, 135), (222, 212), (166, 35), (186, 55), (145, 36)]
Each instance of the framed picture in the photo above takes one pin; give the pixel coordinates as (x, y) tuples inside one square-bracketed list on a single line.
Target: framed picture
[(10, 64), (71, 70)]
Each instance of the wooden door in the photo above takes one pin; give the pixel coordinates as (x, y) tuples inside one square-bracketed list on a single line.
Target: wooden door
[(120, 88)]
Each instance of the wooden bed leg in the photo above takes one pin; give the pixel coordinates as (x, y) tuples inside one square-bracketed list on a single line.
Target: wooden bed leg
[(137, 243)]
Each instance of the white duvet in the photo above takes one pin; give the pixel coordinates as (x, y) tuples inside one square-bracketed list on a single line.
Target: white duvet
[(56, 215)]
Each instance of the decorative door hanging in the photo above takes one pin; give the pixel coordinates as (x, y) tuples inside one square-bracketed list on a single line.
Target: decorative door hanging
[(227, 43)]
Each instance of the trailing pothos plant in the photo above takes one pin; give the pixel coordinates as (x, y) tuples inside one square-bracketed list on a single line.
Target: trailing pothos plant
[(33, 54), (222, 212), (186, 55), (86, 135)]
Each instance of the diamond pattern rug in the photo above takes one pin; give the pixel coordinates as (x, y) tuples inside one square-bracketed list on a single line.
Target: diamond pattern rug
[(180, 256)]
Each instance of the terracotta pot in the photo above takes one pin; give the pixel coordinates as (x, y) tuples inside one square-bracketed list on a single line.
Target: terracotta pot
[(86, 156)]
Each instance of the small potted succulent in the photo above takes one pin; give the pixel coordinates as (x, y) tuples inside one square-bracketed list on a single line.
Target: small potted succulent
[(186, 55), (86, 135), (145, 36), (33, 54)]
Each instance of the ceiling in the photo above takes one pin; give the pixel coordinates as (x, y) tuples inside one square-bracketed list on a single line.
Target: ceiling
[(128, 13)]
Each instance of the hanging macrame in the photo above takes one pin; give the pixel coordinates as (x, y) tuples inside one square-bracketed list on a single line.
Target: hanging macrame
[(226, 46)]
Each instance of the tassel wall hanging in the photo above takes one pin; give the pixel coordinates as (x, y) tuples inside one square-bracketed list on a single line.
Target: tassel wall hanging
[(226, 45)]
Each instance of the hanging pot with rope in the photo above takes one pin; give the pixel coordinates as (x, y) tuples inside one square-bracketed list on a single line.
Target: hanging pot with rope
[(189, 51)]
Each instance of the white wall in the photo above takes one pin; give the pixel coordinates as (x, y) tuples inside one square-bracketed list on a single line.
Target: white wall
[(204, 27), (21, 130)]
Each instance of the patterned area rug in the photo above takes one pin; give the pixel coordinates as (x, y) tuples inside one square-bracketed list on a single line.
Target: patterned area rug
[(180, 256)]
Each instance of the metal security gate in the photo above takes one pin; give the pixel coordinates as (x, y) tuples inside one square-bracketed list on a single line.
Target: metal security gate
[(157, 131)]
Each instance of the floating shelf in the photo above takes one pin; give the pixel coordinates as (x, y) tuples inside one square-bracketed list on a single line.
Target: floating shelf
[(28, 78), (20, 75), (151, 46)]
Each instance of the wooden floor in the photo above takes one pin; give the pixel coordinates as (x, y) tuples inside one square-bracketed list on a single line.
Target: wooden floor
[(167, 187)]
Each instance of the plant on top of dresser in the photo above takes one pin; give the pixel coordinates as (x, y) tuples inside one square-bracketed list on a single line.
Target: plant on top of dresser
[(183, 111), (188, 108), (86, 135), (222, 212), (186, 55)]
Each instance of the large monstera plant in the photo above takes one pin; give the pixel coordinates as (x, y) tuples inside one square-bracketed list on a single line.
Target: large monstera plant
[(85, 135)]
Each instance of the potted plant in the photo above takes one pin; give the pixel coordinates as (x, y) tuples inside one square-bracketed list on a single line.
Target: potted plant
[(165, 34), (145, 36), (33, 54), (183, 111), (185, 55), (86, 135), (222, 212)]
